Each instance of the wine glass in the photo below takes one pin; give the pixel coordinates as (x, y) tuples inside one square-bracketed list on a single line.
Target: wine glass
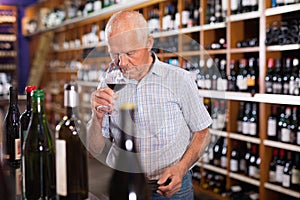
[(115, 79)]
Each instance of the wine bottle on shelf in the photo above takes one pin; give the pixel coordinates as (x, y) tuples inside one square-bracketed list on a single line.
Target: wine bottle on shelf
[(128, 180), (286, 76), (240, 118), (224, 154), (39, 154), (252, 76), (287, 171), (254, 163), (277, 77), (26, 115), (253, 121), (295, 180), (285, 129), (218, 11), (234, 159), (293, 125), (218, 151), (294, 75), (245, 159), (222, 80), (246, 117), (280, 163), (232, 77), (272, 167), (272, 124), (281, 120), (269, 76), (70, 134), (241, 79), (234, 6)]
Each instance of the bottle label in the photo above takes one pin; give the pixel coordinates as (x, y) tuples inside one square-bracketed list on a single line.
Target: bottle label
[(17, 149), (61, 168), (295, 176), (252, 171), (292, 85), (285, 135), (271, 127), (245, 128), (252, 129), (223, 161), (250, 81), (269, 87), (185, 17), (286, 181), (243, 165), (239, 126), (279, 173), (272, 176), (234, 5), (233, 165)]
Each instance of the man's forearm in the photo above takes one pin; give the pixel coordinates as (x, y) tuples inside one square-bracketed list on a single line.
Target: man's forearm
[(96, 140), (195, 150)]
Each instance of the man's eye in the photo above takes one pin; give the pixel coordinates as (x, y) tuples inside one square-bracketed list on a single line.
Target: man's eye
[(130, 53)]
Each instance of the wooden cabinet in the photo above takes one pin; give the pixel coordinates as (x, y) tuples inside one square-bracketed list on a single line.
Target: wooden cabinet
[(8, 48), (71, 57)]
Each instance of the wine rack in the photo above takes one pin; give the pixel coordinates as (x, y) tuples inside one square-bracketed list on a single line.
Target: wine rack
[(8, 47), (233, 29)]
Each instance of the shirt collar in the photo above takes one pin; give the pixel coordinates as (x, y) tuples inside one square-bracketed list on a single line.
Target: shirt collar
[(156, 68)]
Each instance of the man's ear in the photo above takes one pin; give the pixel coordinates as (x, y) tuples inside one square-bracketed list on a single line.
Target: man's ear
[(150, 43)]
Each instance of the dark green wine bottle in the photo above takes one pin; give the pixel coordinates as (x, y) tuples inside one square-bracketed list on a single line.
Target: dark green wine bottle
[(128, 180), (39, 154), (71, 154)]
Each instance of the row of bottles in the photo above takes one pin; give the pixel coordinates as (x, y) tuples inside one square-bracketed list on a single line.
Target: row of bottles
[(276, 3), (283, 124), (283, 32), (243, 76), (33, 155), (247, 120), (7, 16), (284, 169), (283, 76)]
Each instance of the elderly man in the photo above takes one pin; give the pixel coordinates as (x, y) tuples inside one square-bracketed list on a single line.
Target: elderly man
[(171, 119)]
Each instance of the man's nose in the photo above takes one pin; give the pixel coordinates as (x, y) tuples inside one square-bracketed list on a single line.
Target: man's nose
[(123, 59)]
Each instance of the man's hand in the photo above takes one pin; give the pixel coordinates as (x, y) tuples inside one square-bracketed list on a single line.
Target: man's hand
[(102, 97), (170, 181)]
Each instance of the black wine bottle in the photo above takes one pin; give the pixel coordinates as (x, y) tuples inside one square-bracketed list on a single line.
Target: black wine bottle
[(128, 180), (39, 154), (11, 129), (26, 115), (71, 171)]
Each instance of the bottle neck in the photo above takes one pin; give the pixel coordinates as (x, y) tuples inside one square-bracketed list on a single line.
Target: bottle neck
[(29, 102), (38, 106), (13, 99), (71, 111)]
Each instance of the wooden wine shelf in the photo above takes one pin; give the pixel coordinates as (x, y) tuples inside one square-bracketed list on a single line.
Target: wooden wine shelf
[(283, 190), (259, 97), (281, 145), (244, 50), (287, 47), (103, 12), (244, 138), (282, 9), (218, 132), (214, 169), (214, 52), (215, 26), (62, 70), (199, 191), (244, 16), (244, 179), (166, 33)]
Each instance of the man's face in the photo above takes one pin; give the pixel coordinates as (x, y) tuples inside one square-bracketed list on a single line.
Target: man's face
[(130, 54)]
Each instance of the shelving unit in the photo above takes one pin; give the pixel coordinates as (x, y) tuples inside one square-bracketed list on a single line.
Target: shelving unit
[(9, 45), (236, 27)]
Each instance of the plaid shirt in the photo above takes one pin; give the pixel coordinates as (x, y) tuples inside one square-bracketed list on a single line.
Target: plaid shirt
[(168, 110)]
